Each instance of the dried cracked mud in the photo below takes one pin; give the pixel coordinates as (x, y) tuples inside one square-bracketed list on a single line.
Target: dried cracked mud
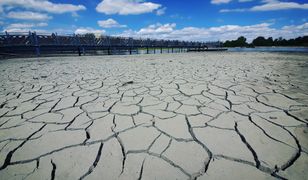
[(170, 116)]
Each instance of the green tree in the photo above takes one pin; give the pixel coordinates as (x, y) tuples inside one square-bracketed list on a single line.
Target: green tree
[(240, 42), (259, 41)]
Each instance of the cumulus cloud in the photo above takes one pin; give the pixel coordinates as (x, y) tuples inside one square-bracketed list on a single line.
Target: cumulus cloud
[(270, 5), (300, 29), (85, 30), (28, 15), (43, 5), (126, 7), (226, 32), (157, 29), (110, 23)]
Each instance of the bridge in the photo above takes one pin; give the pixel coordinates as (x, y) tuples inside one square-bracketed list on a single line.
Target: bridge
[(32, 43)]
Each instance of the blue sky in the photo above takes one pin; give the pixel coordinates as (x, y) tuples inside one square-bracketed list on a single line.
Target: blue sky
[(205, 20)]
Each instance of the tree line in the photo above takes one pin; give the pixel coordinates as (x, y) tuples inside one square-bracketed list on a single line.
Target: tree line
[(262, 41)]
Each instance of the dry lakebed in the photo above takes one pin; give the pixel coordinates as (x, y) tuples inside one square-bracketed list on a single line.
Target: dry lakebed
[(225, 115)]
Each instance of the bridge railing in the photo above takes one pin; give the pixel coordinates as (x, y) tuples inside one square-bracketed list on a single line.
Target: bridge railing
[(32, 38), (9, 40)]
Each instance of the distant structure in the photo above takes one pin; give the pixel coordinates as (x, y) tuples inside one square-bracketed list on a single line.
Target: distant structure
[(37, 44)]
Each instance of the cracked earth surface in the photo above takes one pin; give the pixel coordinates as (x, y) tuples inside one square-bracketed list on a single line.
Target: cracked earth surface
[(170, 116)]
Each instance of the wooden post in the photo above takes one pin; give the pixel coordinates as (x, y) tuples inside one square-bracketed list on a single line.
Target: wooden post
[(161, 50), (147, 49)]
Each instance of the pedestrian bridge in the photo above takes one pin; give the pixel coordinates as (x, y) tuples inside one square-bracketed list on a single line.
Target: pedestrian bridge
[(38, 43)]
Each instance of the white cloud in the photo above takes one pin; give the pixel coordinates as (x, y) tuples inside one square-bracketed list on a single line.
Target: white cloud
[(232, 10), (26, 27), (227, 1), (300, 29), (42, 24), (157, 29), (220, 1), (75, 14), (86, 30), (125, 7), (17, 30), (28, 15), (161, 11), (226, 32), (110, 23), (42, 5), (270, 5)]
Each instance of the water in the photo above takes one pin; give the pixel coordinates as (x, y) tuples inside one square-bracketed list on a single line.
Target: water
[(238, 49), (138, 51), (270, 49)]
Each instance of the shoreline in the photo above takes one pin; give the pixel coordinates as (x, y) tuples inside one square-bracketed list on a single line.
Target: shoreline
[(103, 55)]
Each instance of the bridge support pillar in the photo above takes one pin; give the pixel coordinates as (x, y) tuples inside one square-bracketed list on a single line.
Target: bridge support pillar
[(79, 52), (109, 53), (35, 43), (37, 50)]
